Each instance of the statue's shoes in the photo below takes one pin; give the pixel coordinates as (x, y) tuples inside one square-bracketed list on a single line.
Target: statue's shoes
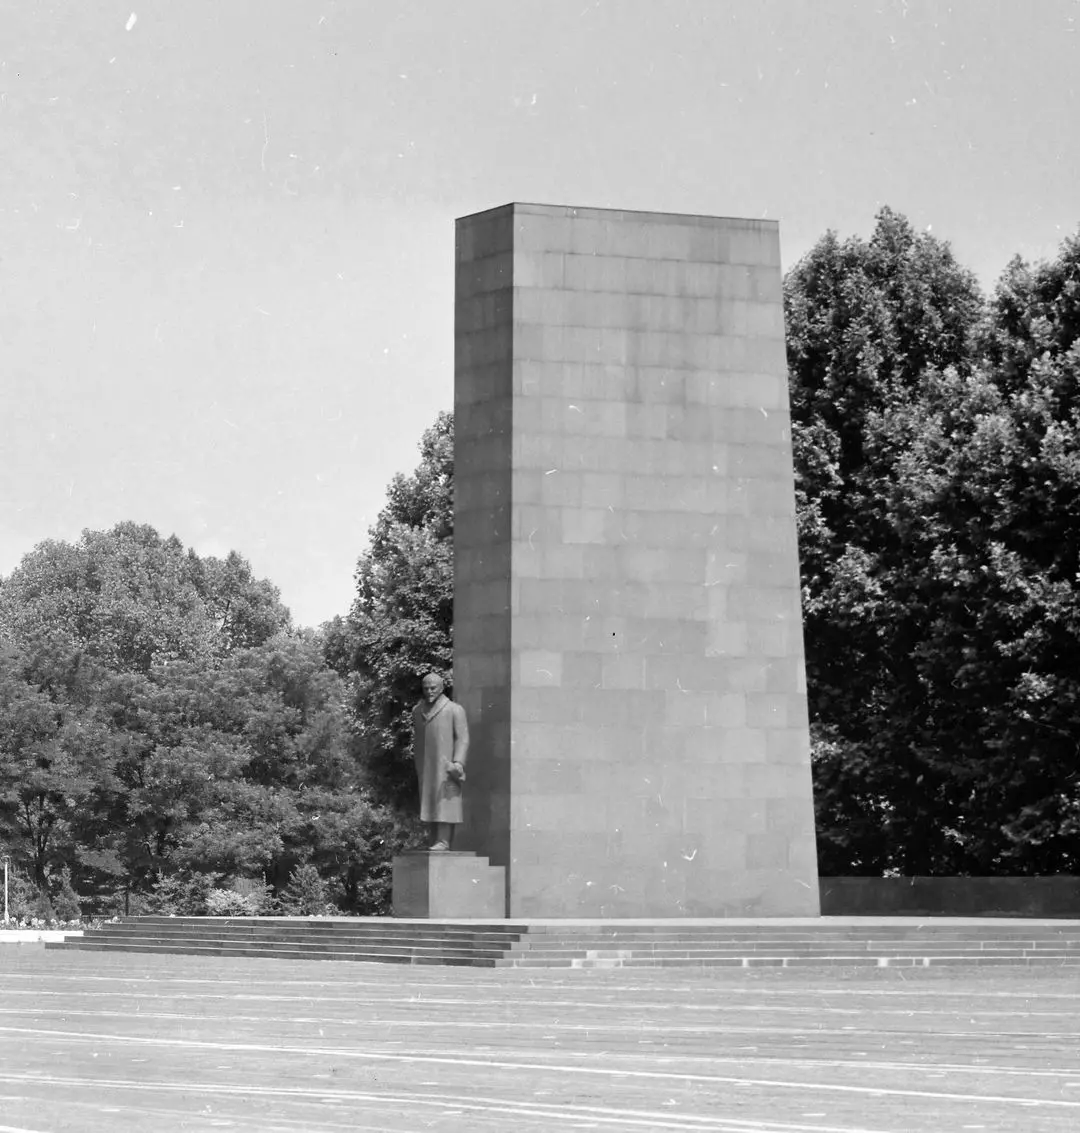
[(441, 846)]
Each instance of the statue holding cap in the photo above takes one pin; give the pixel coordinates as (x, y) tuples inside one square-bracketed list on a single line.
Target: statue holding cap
[(440, 748)]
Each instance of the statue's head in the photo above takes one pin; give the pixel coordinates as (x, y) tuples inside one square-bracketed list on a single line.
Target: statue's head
[(432, 685)]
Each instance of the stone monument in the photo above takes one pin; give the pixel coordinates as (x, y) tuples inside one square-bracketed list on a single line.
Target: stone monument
[(440, 748), (435, 881), (627, 629)]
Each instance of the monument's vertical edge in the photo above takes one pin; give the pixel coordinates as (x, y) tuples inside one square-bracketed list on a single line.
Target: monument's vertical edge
[(655, 757), (483, 416)]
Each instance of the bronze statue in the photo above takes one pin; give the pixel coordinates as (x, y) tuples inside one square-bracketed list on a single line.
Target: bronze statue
[(440, 748)]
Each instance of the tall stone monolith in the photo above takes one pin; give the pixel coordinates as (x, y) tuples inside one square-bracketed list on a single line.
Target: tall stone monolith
[(628, 639)]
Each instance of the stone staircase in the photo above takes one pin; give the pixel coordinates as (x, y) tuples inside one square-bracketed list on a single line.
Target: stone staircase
[(821, 944), (828, 942), (375, 939)]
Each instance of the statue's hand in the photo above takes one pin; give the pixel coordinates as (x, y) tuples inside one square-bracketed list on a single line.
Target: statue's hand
[(456, 772)]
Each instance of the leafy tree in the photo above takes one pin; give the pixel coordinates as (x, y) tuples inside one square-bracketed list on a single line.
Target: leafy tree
[(173, 767), (243, 611), (248, 769), (351, 839), (306, 894), (156, 724), (26, 901), (55, 758), (991, 493), (400, 624), (132, 599), (941, 616), (181, 894), (119, 781), (865, 321), (212, 761)]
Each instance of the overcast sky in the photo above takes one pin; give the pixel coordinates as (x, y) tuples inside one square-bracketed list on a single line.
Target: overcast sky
[(226, 226)]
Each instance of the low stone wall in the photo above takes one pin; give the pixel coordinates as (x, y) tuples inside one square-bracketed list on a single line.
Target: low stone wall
[(950, 896)]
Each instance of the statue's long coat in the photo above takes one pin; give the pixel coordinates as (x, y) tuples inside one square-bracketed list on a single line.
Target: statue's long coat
[(440, 737)]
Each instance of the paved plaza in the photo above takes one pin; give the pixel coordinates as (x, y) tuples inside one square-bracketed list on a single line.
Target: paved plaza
[(127, 1042)]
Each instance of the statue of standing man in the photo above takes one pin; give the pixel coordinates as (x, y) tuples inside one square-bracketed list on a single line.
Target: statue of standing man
[(440, 747)]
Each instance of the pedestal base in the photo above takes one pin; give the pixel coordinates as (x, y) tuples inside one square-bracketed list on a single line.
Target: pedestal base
[(448, 885)]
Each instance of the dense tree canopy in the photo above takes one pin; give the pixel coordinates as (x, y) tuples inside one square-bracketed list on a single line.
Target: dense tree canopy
[(131, 598), (938, 498), (400, 625), (55, 760), (157, 721)]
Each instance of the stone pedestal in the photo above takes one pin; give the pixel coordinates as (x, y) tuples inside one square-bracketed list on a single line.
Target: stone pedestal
[(448, 885), (627, 628)]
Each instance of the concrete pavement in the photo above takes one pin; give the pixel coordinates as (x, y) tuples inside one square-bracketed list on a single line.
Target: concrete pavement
[(94, 1042)]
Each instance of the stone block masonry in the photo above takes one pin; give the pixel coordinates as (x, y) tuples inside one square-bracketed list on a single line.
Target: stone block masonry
[(628, 640), (447, 884)]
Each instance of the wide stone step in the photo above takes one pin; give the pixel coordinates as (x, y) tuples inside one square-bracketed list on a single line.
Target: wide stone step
[(198, 948), (814, 951), (529, 943), (124, 931), (109, 940), (853, 961), (782, 933), (931, 948), (804, 948), (334, 928)]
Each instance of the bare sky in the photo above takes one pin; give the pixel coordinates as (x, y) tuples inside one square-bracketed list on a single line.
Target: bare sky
[(226, 226)]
